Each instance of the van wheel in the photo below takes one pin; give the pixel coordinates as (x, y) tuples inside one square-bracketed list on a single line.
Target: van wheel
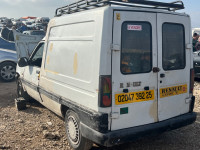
[(21, 92), (74, 137), (7, 71)]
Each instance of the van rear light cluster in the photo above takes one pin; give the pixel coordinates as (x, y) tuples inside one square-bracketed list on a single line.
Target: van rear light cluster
[(191, 80), (105, 91)]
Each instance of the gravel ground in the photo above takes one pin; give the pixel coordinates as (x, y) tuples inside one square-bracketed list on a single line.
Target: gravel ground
[(38, 128)]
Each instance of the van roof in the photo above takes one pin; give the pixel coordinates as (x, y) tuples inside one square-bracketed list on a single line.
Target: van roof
[(83, 5), (125, 8)]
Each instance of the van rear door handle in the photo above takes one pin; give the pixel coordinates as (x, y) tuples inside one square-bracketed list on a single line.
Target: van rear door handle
[(162, 75), (146, 88)]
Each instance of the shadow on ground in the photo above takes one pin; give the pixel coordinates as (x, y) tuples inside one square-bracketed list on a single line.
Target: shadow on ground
[(33, 108), (7, 94)]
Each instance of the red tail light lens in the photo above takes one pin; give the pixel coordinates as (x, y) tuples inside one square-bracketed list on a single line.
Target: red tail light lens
[(191, 80), (105, 91)]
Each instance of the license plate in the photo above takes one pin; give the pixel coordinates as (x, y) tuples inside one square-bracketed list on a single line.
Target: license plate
[(171, 91), (133, 97)]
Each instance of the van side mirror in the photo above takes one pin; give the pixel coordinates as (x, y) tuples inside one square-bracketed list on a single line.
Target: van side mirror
[(23, 62)]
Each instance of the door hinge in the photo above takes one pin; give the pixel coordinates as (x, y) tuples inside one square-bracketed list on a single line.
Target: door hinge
[(188, 46), (115, 47), (114, 115), (188, 100)]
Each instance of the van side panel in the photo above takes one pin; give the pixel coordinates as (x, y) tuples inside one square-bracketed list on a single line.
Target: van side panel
[(71, 65), (73, 54)]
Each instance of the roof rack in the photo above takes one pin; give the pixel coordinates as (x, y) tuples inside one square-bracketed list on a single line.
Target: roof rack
[(90, 4)]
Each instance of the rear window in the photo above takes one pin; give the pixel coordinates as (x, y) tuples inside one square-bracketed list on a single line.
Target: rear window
[(173, 46), (136, 48)]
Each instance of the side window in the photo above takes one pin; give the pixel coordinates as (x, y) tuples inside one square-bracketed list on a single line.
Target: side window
[(36, 58), (173, 54), (136, 48)]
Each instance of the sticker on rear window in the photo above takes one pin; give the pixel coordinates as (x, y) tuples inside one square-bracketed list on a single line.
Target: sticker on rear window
[(134, 27)]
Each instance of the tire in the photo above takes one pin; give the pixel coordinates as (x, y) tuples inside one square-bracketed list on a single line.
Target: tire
[(74, 136), (7, 71), (21, 92)]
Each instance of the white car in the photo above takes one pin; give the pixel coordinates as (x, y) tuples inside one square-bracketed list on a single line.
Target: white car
[(196, 30), (114, 73), (8, 60)]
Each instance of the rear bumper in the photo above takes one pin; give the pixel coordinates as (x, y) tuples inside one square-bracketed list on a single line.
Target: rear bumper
[(130, 134)]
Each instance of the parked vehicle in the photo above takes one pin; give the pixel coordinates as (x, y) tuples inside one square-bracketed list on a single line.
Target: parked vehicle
[(8, 61), (34, 32), (43, 20), (196, 30), (197, 64), (114, 73), (8, 55), (27, 23)]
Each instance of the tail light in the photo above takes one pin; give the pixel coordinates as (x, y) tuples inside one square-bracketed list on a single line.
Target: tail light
[(191, 80), (105, 91)]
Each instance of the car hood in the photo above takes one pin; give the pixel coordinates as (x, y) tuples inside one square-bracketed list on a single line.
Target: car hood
[(196, 56)]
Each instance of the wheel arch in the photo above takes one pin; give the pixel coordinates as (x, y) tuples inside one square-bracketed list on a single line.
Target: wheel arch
[(10, 61), (64, 109)]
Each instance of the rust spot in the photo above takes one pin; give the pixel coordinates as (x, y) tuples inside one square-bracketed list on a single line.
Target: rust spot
[(51, 71), (75, 66), (48, 59), (52, 23), (17, 37), (153, 112), (118, 17), (51, 47)]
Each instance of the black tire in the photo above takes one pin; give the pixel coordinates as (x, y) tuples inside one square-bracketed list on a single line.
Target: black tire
[(21, 92), (7, 71), (74, 136)]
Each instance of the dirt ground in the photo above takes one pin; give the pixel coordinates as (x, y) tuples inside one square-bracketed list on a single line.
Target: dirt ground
[(37, 128)]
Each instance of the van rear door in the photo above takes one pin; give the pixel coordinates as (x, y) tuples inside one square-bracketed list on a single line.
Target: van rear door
[(134, 57), (174, 63)]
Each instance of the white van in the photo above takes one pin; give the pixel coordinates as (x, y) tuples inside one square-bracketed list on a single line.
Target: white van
[(116, 71)]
